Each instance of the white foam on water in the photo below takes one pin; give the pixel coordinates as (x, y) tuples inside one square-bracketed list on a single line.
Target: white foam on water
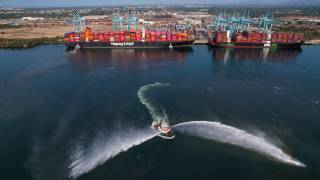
[(105, 147), (227, 134), (156, 113)]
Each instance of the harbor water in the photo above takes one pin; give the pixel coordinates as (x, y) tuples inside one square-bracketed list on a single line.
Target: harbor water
[(236, 113)]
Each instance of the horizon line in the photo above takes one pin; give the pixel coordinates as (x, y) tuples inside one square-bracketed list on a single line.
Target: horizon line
[(168, 4)]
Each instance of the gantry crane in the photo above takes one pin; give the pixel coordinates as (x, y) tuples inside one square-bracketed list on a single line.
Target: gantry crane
[(78, 22)]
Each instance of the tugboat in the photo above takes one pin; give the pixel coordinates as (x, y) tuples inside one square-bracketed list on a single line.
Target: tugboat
[(164, 129)]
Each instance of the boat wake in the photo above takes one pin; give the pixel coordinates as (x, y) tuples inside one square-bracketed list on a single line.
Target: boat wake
[(158, 114), (227, 134), (105, 147)]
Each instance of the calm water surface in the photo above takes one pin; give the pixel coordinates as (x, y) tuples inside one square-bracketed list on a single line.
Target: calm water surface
[(76, 115)]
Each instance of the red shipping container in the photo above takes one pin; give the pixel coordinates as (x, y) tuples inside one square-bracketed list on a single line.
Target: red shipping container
[(163, 36), (122, 38), (169, 36), (106, 36), (71, 39), (95, 36), (77, 38), (138, 37), (100, 36), (174, 37)]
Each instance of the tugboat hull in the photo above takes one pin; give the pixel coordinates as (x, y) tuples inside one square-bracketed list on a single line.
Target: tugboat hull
[(168, 136)]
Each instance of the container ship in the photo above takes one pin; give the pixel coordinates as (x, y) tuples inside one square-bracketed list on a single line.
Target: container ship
[(253, 39), (127, 39), (130, 38), (235, 32)]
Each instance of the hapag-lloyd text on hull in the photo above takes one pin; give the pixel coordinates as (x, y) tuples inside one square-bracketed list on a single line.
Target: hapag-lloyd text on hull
[(122, 43)]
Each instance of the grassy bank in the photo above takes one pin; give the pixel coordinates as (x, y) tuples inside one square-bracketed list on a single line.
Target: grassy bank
[(27, 43), (8, 26)]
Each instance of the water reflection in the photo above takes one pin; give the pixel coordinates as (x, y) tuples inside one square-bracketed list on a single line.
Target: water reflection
[(95, 58), (267, 54)]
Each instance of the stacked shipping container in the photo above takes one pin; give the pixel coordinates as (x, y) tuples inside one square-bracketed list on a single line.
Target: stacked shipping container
[(125, 36), (286, 37), (221, 37), (255, 37)]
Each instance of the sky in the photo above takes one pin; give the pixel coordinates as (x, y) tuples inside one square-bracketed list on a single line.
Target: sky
[(65, 3)]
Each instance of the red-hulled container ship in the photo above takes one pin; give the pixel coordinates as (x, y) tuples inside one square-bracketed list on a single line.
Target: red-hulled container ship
[(127, 39), (235, 32), (118, 38), (255, 39)]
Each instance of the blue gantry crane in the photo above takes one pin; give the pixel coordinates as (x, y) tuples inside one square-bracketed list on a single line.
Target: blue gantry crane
[(118, 22), (234, 23), (117, 19), (132, 20), (220, 22), (245, 21), (266, 22), (238, 22), (78, 22)]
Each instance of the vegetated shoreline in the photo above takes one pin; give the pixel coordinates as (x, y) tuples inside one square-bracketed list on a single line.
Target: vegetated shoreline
[(29, 43), (18, 43)]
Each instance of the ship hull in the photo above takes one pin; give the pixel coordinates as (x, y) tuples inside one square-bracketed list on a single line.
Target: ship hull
[(121, 45), (255, 45)]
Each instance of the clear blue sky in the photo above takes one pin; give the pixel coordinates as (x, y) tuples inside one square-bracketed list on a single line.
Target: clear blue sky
[(62, 3)]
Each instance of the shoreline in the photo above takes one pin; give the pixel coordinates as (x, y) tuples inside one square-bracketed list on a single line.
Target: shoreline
[(18, 43), (312, 42), (28, 43)]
